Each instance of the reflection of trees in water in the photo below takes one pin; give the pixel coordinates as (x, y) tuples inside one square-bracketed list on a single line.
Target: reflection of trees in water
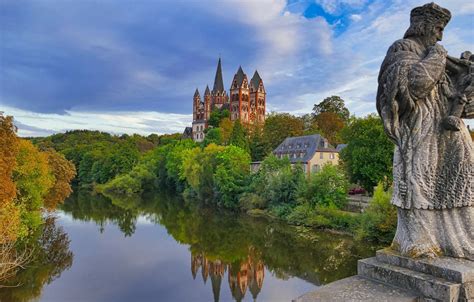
[(51, 256), (229, 238), (83, 205)]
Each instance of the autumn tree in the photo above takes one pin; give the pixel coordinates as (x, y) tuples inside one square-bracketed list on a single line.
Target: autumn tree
[(33, 179), (9, 212), (63, 172), (330, 125), (279, 126), (226, 127), (333, 104)]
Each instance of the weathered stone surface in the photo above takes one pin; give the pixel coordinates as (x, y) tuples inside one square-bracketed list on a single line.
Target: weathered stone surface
[(421, 97), (452, 269), (427, 286), (358, 288)]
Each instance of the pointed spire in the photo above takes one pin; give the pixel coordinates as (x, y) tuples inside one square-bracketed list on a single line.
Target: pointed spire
[(196, 93), (256, 79), (218, 82), (207, 92), (239, 76)]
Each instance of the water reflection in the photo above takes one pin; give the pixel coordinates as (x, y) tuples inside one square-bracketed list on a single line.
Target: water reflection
[(242, 275), (233, 252), (51, 256)]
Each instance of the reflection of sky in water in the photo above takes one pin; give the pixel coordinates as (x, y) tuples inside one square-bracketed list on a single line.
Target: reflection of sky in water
[(148, 266)]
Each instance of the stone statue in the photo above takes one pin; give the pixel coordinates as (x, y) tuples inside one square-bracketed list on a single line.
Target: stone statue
[(422, 95)]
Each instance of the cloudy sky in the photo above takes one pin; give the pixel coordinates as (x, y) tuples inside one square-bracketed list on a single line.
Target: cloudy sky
[(126, 66)]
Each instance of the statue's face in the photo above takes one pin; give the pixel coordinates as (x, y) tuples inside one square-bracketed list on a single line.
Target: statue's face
[(435, 34)]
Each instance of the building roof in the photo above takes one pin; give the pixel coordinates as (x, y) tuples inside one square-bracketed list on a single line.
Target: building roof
[(340, 147), (239, 77), (196, 93), (218, 82), (188, 132), (207, 92), (303, 146), (255, 81)]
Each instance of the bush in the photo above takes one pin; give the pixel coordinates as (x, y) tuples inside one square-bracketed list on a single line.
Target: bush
[(379, 221), (328, 187), (250, 201)]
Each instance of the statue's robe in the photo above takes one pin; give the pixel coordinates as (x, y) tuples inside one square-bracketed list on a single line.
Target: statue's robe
[(432, 167)]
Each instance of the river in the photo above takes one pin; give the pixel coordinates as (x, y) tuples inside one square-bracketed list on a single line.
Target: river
[(163, 248)]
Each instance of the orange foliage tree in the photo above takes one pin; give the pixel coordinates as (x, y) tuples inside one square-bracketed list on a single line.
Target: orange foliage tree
[(330, 124), (63, 172), (9, 213)]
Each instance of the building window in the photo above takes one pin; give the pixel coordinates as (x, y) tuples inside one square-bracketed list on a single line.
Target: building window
[(321, 155), (331, 156), (315, 168)]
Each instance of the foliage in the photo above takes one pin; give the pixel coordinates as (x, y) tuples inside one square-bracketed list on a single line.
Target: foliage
[(279, 126), (217, 115), (369, 153), (256, 145), (232, 170), (334, 104), (213, 136), (330, 125), (226, 126), (238, 137), (63, 172), (9, 212), (379, 220), (327, 187), (33, 180)]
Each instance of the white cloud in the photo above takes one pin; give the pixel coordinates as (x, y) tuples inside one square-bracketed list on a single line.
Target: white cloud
[(143, 123)]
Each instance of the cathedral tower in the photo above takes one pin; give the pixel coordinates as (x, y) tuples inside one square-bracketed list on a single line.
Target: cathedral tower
[(240, 97), (218, 94), (257, 99)]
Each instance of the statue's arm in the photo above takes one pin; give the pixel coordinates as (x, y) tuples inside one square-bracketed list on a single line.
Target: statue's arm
[(424, 74)]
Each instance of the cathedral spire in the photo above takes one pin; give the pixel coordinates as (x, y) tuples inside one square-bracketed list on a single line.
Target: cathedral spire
[(218, 82)]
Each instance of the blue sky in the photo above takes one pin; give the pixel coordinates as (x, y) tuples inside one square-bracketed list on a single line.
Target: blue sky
[(132, 66)]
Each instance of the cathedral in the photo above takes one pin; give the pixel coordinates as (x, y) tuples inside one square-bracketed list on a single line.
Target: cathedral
[(245, 101)]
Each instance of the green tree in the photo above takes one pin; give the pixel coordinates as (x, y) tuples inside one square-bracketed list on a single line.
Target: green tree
[(279, 126), (369, 152), (332, 104), (330, 125), (213, 136), (233, 168), (238, 137), (217, 115), (327, 187), (256, 145)]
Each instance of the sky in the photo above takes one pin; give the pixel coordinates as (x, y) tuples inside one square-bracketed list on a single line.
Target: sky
[(124, 66)]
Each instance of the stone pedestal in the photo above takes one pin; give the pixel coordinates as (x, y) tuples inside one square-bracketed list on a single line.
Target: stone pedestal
[(391, 277)]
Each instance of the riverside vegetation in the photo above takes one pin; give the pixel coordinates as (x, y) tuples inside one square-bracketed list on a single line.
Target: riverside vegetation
[(36, 173)]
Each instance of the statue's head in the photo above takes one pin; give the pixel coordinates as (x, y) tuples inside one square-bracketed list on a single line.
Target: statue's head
[(428, 22)]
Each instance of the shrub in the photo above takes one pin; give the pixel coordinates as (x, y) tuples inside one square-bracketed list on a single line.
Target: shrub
[(379, 221)]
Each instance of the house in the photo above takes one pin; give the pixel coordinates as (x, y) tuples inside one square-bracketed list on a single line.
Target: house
[(310, 151)]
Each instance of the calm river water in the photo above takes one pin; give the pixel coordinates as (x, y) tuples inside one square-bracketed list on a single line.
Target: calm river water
[(160, 248)]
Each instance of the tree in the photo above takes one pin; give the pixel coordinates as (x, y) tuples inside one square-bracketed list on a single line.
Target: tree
[(257, 146), (332, 104), (33, 179), (327, 187), (238, 137), (217, 115), (9, 212), (233, 167), (369, 152), (330, 125), (279, 126), (213, 136), (63, 172), (226, 126)]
